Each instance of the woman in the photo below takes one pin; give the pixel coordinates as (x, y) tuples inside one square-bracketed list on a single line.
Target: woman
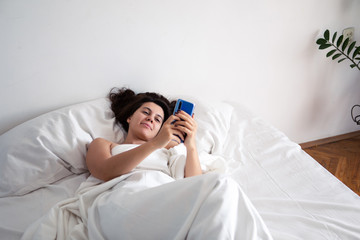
[(146, 119), (144, 200)]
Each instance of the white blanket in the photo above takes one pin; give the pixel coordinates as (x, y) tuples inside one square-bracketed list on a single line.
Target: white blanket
[(192, 208)]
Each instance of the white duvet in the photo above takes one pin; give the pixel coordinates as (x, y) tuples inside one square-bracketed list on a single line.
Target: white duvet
[(149, 203), (194, 208), (45, 186)]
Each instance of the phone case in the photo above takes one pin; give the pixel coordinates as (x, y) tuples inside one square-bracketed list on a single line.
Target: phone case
[(184, 106)]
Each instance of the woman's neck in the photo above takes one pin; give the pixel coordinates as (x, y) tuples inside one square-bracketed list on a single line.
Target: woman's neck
[(130, 140)]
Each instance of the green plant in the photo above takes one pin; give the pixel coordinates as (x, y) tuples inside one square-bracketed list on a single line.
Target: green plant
[(340, 47)]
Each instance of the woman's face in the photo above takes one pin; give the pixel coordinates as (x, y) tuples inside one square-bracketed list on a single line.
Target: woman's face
[(146, 122)]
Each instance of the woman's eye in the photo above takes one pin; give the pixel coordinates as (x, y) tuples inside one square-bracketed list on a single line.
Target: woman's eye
[(145, 112), (158, 120)]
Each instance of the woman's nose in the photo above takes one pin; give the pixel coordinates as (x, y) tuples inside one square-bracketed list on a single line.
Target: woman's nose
[(149, 119)]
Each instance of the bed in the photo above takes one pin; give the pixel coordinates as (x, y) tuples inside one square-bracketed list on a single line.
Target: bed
[(42, 164)]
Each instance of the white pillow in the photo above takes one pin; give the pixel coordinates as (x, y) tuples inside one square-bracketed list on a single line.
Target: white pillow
[(213, 119), (52, 146)]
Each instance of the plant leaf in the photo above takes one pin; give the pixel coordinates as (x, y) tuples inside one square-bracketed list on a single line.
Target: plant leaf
[(321, 41), (345, 44), (353, 65), (336, 56), (334, 37), (327, 34), (324, 46), (330, 53), (339, 41), (356, 52), (341, 60), (352, 45)]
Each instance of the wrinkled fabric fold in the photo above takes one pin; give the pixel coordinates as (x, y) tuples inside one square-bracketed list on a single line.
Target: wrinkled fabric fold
[(209, 205)]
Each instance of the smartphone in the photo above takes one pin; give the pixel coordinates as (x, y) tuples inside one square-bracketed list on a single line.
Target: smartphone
[(186, 106)]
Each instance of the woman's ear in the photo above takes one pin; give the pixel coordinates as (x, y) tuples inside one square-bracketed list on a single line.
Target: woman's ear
[(128, 120)]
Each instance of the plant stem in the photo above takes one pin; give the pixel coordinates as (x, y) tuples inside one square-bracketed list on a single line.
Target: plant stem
[(357, 65)]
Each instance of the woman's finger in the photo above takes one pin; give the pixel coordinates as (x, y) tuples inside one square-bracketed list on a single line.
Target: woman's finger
[(172, 119), (183, 115), (178, 136)]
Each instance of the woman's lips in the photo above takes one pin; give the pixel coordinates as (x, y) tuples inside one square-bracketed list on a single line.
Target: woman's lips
[(147, 125)]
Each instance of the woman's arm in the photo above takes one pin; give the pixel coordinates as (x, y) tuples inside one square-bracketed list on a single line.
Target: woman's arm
[(189, 126), (104, 166), (192, 167)]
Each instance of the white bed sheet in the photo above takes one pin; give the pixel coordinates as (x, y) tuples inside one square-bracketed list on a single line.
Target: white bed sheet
[(296, 197), (18, 212)]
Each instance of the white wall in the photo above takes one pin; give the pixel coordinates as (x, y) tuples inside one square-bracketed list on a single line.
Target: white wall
[(261, 54)]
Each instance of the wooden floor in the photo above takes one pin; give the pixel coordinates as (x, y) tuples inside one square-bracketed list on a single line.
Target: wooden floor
[(342, 159)]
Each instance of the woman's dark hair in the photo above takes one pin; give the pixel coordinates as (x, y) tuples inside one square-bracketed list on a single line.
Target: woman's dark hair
[(124, 102)]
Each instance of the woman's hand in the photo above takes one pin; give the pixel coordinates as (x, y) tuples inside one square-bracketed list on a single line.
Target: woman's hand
[(174, 130), (188, 126), (169, 134)]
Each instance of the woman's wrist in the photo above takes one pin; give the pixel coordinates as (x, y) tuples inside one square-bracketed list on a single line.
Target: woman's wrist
[(191, 145), (154, 144), (191, 148)]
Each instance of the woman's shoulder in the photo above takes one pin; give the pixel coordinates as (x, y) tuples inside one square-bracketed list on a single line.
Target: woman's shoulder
[(102, 142)]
